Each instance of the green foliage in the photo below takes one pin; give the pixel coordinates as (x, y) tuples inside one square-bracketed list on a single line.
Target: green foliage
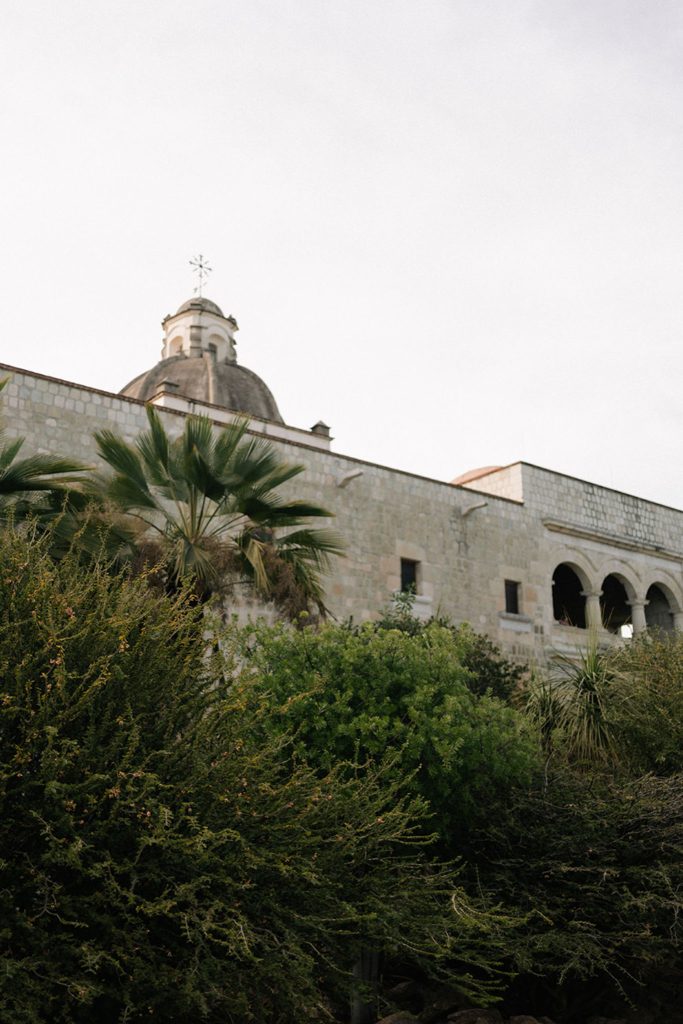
[(206, 506), (587, 691), (209, 506), (594, 862), (23, 479), (647, 717), (489, 671), (573, 709), (160, 856), (372, 693), (400, 614), (592, 852), (622, 705)]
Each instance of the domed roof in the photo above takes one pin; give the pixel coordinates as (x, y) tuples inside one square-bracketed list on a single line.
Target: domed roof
[(474, 474), (203, 379), (200, 303)]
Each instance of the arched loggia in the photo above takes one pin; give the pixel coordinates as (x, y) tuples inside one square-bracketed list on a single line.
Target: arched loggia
[(569, 601), (659, 614), (615, 606)]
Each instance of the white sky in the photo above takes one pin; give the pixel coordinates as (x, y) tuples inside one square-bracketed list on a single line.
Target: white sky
[(452, 229)]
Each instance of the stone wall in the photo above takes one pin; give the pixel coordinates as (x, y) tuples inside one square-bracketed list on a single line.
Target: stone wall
[(467, 542)]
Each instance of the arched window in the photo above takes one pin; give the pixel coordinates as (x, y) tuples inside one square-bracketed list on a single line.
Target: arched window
[(658, 613), (569, 603), (616, 611), (217, 347)]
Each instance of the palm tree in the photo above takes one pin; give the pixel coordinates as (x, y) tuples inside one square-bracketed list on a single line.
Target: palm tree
[(22, 479), (208, 506)]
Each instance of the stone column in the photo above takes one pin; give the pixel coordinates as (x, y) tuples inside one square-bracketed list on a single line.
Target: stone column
[(638, 615), (678, 621), (593, 610)]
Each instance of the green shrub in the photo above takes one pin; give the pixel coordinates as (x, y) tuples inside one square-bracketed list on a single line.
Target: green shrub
[(593, 862), (368, 694), (160, 855), (647, 716), (489, 672)]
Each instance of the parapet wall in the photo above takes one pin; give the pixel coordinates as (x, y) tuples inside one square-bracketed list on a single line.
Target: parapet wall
[(602, 510)]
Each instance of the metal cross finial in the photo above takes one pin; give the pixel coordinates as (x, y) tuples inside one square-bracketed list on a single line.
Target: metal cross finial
[(202, 270)]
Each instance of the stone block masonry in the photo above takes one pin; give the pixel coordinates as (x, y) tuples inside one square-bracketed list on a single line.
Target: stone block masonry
[(517, 524)]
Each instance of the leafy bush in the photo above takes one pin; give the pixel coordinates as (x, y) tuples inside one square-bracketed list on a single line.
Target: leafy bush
[(622, 706), (647, 716), (594, 863), (489, 671), (591, 852), (160, 856), (371, 693)]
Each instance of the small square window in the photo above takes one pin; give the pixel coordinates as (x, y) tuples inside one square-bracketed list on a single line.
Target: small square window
[(409, 576), (512, 597)]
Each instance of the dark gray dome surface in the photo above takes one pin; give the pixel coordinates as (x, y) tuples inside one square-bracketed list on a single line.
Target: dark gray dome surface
[(201, 379), (197, 303)]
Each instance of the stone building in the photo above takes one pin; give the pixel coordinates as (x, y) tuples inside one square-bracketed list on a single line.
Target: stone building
[(531, 557)]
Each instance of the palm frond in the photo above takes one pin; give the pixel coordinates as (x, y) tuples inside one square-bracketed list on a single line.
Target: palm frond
[(226, 444), (279, 513), (155, 448), (198, 459), (9, 452), (37, 472), (315, 545), (214, 497), (122, 458), (251, 549), (275, 476), (256, 461)]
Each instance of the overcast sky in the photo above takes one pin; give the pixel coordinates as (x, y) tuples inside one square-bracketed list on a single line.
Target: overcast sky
[(452, 229)]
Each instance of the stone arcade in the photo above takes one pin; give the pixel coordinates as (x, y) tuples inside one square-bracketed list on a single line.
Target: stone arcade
[(531, 557)]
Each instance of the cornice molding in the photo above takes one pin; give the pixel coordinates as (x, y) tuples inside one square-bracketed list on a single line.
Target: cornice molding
[(614, 540)]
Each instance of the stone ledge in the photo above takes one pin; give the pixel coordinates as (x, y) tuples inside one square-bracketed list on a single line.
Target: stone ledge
[(518, 623)]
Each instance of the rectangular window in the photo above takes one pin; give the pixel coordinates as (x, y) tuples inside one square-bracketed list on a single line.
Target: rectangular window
[(512, 597), (409, 576)]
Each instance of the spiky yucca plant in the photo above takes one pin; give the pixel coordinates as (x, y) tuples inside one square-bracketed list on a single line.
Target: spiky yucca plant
[(576, 705)]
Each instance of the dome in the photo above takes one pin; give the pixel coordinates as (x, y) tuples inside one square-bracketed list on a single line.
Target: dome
[(474, 474), (202, 379), (200, 304), (199, 363)]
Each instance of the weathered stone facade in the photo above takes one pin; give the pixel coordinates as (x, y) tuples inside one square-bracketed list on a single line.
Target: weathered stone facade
[(486, 551)]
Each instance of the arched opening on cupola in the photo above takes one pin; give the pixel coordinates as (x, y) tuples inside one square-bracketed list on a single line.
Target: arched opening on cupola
[(658, 612), (569, 602), (217, 347), (615, 607)]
